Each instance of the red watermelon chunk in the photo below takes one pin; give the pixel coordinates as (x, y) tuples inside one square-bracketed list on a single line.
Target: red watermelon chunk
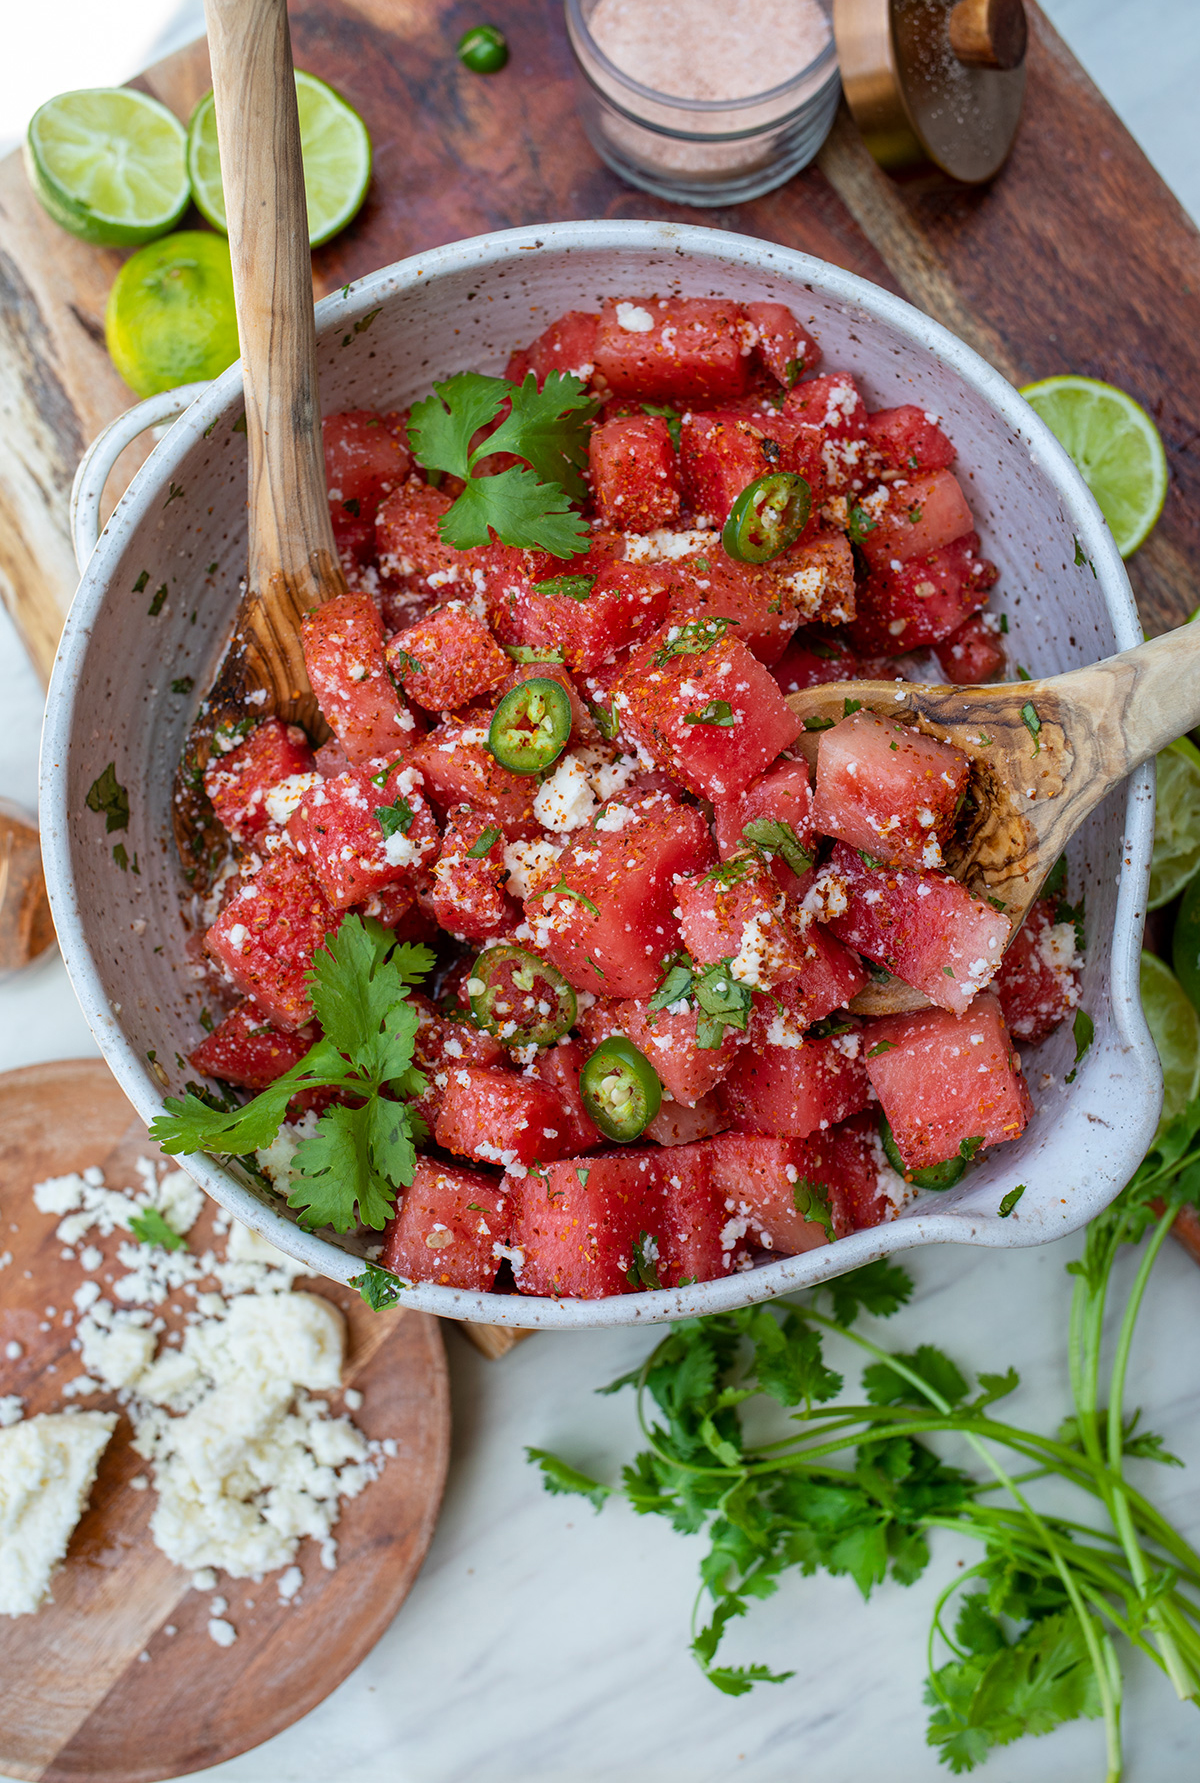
[(798, 1088), (888, 789), (447, 659), (944, 1079), (677, 1124), (760, 1178), (239, 780), (343, 652), (635, 473), (338, 829), (575, 1223), (1038, 980), (692, 1239), (710, 584), (366, 457), (829, 977), (625, 602), (908, 439), (249, 1050), (722, 452), (971, 655), (459, 770), (444, 1044), (450, 1228), (813, 659), (926, 600), (407, 537), (468, 896), (498, 1118), (925, 928), (559, 1067), (667, 349), (738, 723), (814, 578), (780, 796), (609, 924), (786, 349), (267, 934), (914, 518), (834, 404), (737, 912), (568, 345), (668, 1038)]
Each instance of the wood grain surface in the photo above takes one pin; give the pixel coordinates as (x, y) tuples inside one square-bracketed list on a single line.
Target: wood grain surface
[(1077, 258), (79, 1699)]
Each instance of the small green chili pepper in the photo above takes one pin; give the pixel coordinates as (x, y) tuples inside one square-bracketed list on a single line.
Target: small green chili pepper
[(483, 49), (620, 1089), (520, 998), (767, 517), (532, 726), (934, 1176)]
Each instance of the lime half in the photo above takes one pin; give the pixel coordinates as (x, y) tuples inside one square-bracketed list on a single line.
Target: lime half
[(1116, 446), (170, 317), (1176, 857), (336, 150), (109, 164), (1175, 1028)]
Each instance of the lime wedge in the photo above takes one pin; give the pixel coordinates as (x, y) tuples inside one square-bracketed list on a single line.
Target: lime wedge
[(1175, 1028), (1176, 857), (170, 317), (1115, 445), (109, 165), (336, 150)]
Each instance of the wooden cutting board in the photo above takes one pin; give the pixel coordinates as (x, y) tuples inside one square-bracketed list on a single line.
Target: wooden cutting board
[(93, 1688)]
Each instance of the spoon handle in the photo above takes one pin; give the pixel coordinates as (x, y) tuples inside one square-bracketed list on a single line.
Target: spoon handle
[(1139, 701), (293, 562)]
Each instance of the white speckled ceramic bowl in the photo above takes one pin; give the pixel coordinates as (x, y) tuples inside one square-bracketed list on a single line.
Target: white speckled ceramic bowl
[(180, 528)]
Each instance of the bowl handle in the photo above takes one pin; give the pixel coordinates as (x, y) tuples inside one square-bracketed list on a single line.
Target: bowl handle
[(102, 454)]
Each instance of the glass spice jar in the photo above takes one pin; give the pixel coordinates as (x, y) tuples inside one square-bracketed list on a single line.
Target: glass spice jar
[(702, 151)]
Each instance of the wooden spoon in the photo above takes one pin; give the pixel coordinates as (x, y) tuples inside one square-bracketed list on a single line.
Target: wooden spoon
[(292, 562), (1043, 754)]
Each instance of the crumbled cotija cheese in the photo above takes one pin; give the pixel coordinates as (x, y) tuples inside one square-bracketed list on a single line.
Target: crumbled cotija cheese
[(47, 1467)]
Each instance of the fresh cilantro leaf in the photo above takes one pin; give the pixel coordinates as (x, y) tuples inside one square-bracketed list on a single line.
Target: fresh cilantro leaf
[(778, 837), (396, 819), (878, 1288), (335, 1181), (1023, 673), (121, 856), (876, 866), (559, 1477), (159, 600), (675, 984), (1081, 558), (968, 1147), (976, 1628), (721, 995), (378, 1287), (184, 684), (812, 1201), (885, 1387), (881, 1046), (1056, 879), (1084, 1031), (575, 588), (109, 799), (692, 639), (483, 844), (563, 890), (192, 1125), (850, 706), (736, 1680), (149, 1227), (1032, 723), (717, 712), (674, 423), (859, 524), (643, 1271), (549, 429), (401, 663), (441, 427), (1009, 1201)]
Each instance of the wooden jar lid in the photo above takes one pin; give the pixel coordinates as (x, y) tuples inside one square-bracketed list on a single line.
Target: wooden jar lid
[(934, 84)]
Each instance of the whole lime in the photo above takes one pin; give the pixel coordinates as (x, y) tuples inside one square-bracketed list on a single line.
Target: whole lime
[(170, 317)]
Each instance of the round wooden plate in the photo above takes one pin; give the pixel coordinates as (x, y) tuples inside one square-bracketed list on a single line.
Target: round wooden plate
[(79, 1699)]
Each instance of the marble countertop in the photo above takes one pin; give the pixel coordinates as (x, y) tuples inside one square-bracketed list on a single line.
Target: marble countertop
[(542, 1641)]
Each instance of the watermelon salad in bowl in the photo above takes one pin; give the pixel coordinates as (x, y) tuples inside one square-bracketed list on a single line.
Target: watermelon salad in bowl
[(613, 920)]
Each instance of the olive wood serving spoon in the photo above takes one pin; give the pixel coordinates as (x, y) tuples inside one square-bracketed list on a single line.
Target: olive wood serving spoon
[(1043, 754), (292, 561)]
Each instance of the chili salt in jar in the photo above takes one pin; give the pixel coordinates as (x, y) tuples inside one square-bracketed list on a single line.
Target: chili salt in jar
[(705, 102)]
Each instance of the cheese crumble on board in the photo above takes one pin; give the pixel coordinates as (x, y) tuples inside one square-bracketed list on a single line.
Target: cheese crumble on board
[(245, 1458)]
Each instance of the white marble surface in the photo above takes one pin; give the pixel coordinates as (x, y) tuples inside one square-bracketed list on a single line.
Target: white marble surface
[(543, 1642)]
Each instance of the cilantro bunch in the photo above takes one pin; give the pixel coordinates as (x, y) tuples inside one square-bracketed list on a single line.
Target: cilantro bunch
[(349, 1170), (855, 1489), (527, 505)]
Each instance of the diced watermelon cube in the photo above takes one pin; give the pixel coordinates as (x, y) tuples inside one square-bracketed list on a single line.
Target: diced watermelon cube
[(249, 1050), (829, 977), (834, 404), (786, 349), (944, 1079), (692, 1237), (459, 770), (705, 708), (443, 1045), (498, 1118), (664, 349), (922, 514), (780, 796), (758, 1177), (267, 934), (710, 584), (366, 457), (407, 537), (888, 789), (972, 654), (449, 1227), (688, 1071), (568, 345), (447, 659), (331, 759), (468, 896), (908, 439), (677, 1124), (609, 924), (239, 780), (851, 1159), (635, 473), (725, 450), (923, 601), (559, 1067), (926, 928), (575, 1223), (351, 849), (814, 578), (1038, 980), (343, 652), (737, 912), (626, 602), (798, 1088), (813, 659)]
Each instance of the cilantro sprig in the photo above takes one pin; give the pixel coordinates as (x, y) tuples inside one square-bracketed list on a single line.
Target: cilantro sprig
[(527, 505), (349, 1170), (855, 1488)]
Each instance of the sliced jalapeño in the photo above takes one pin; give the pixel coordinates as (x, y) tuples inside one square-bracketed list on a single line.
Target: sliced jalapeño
[(520, 997), (767, 517), (620, 1089), (532, 726)]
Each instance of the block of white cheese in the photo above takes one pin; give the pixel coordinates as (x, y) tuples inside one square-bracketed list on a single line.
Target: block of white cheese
[(47, 1468)]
